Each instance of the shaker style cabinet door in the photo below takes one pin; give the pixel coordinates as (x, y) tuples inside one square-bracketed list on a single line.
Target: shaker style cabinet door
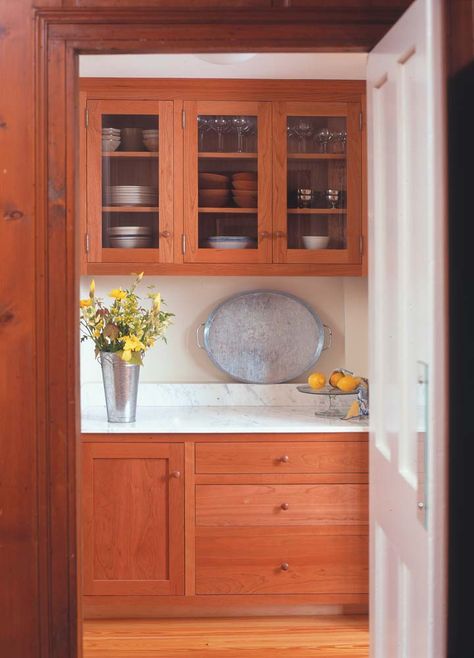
[(129, 181), (317, 192), (133, 519), (227, 182)]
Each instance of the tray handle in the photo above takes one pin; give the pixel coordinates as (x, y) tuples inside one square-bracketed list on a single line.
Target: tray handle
[(327, 345), (198, 335)]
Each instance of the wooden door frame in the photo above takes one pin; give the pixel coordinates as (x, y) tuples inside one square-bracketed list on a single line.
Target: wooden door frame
[(62, 34)]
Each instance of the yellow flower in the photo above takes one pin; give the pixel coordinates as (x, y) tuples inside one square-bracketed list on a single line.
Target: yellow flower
[(140, 277), (126, 355), (157, 302), (118, 293), (92, 289), (132, 344), (85, 302)]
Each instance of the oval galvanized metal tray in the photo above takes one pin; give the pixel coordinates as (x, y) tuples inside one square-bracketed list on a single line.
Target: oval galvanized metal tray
[(263, 337)]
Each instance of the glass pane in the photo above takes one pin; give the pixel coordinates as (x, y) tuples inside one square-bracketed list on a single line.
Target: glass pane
[(130, 176), (317, 183), (227, 133)]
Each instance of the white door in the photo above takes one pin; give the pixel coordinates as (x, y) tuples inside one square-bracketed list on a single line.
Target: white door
[(408, 265)]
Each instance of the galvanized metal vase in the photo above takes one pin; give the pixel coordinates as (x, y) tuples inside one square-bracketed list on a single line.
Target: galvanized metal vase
[(120, 386)]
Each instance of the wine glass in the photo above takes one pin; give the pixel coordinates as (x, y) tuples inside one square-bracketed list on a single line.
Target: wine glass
[(303, 130), (220, 125), (333, 197), (323, 137), (339, 140), (242, 126), (203, 127)]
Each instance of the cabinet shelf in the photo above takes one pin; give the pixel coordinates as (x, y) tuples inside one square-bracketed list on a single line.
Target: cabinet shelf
[(234, 211), (227, 156), (317, 211), (130, 154), (130, 208), (316, 156)]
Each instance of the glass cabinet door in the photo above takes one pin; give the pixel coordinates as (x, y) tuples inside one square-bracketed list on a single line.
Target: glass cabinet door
[(317, 170), (227, 182), (129, 181)]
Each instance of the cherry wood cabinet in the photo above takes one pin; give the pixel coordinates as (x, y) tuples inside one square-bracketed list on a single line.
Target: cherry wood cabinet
[(270, 523), (223, 178), (133, 519)]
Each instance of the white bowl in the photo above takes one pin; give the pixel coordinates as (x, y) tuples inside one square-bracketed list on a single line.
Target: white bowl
[(315, 241), (110, 145)]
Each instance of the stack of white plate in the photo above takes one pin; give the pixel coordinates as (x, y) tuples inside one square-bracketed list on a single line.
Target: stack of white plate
[(110, 139), (150, 139), (231, 242), (131, 195), (130, 237)]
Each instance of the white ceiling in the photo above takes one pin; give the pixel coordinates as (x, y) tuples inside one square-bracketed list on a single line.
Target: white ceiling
[(334, 66)]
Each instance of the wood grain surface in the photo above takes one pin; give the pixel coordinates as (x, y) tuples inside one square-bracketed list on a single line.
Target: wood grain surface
[(274, 637)]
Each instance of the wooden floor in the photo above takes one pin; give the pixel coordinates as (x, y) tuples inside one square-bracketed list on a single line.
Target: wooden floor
[(269, 637)]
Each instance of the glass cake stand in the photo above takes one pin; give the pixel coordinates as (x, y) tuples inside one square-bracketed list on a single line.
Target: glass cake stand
[(333, 407)]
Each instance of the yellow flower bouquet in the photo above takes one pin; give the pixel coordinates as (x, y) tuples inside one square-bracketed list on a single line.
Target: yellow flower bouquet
[(126, 328)]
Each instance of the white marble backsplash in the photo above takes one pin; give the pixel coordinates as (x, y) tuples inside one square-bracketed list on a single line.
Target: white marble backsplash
[(207, 395)]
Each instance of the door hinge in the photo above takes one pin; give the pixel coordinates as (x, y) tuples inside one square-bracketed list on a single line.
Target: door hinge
[(86, 119), (87, 242), (183, 119), (360, 121), (183, 243), (361, 245)]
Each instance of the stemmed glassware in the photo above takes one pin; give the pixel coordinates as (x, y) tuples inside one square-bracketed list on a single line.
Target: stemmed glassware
[(242, 126), (339, 140), (203, 127), (323, 137), (221, 125), (303, 129)]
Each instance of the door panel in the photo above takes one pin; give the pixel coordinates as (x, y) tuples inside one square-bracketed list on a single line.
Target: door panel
[(133, 519), (407, 319)]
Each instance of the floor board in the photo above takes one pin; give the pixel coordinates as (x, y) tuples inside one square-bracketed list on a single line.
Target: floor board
[(268, 637)]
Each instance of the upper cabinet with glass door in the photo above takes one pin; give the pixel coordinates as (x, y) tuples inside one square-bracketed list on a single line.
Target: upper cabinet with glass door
[(129, 181), (227, 182), (318, 190)]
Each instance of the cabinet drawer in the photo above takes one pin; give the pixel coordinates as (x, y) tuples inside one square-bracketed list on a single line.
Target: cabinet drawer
[(267, 457), (281, 504), (279, 561)]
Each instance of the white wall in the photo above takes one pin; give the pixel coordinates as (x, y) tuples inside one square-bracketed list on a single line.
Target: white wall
[(341, 303)]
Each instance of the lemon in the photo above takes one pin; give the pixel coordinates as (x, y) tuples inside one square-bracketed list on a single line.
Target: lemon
[(334, 377), (316, 380), (347, 383)]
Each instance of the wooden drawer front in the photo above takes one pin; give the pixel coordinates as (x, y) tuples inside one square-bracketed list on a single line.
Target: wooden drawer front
[(281, 504), (279, 561), (321, 457)]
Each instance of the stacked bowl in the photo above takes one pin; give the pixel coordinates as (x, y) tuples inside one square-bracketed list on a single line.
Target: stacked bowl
[(214, 190), (245, 189), (150, 139), (130, 237), (110, 139)]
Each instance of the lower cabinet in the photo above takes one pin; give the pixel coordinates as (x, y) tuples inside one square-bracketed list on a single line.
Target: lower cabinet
[(236, 525), (133, 518)]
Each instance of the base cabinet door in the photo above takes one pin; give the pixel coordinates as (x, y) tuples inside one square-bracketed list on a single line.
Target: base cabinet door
[(133, 519)]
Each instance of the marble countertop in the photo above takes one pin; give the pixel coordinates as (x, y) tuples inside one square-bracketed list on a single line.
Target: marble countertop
[(215, 409)]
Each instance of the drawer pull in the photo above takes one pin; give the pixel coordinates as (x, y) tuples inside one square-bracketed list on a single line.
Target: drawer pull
[(284, 566), (284, 506), (284, 459), (176, 474)]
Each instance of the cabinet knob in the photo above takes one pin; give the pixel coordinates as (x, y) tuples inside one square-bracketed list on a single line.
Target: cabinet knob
[(284, 459), (164, 234), (264, 235), (280, 234), (284, 506), (13, 214), (284, 566), (176, 474)]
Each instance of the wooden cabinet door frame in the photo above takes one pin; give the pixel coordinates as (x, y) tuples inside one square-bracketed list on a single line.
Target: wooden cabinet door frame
[(174, 455), (281, 252), (263, 253), (97, 253)]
